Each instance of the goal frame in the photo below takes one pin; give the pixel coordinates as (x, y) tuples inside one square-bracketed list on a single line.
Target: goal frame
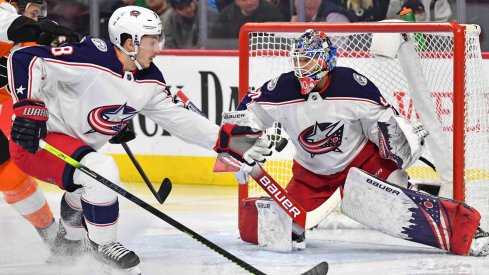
[(459, 41)]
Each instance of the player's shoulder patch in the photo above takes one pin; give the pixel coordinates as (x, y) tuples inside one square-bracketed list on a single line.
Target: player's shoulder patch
[(272, 83), (348, 83), (362, 80), (99, 44)]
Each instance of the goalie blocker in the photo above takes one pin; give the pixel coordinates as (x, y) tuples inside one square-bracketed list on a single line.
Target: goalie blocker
[(411, 215)]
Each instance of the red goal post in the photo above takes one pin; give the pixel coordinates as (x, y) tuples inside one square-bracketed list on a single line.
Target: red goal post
[(449, 59)]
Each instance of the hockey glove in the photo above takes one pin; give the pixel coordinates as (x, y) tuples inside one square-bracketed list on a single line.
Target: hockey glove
[(125, 135), (54, 34), (401, 140), (29, 124), (243, 143)]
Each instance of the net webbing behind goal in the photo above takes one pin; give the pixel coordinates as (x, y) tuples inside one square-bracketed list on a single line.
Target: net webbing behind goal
[(440, 81)]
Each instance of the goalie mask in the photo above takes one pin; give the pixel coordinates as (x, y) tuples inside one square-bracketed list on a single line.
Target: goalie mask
[(312, 57), (136, 22)]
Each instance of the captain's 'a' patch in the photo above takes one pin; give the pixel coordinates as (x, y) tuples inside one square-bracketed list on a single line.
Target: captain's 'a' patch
[(362, 80)]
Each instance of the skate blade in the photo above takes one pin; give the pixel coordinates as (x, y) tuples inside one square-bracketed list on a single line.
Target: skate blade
[(60, 260), (114, 271), (133, 271)]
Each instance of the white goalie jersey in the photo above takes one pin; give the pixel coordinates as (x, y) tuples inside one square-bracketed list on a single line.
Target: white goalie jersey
[(328, 128), (91, 98)]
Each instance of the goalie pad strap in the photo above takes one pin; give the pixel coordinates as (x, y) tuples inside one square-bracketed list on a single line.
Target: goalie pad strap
[(410, 215)]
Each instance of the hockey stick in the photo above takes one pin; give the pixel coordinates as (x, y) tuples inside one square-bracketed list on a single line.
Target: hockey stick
[(306, 219), (302, 217), (321, 268), (121, 191), (165, 187)]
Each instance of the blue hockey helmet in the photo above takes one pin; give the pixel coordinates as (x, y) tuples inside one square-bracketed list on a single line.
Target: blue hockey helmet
[(312, 57)]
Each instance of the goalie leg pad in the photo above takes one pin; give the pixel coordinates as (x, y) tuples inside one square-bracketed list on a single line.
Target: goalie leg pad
[(410, 215), (263, 222), (248, 220), (399, 177)]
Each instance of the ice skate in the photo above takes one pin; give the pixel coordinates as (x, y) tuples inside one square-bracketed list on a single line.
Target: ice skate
[(48, 234), (116, 256), (480, 243), (63, 250)]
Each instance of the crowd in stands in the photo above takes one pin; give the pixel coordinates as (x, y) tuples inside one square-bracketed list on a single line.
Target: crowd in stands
[(181, 23)]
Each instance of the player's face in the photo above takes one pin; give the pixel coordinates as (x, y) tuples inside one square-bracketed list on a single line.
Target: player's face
[(247, 6), (150, 46), (306, 65), (33, 11)]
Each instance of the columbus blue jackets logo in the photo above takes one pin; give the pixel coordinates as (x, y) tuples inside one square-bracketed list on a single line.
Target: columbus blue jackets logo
[(134, 13), (109, 120), (322, 138)]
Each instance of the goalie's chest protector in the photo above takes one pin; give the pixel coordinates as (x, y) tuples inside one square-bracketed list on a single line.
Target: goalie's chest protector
[(326, 127)]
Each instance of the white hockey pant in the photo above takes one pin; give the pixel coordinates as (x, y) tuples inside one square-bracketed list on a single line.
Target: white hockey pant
[(99, 203)]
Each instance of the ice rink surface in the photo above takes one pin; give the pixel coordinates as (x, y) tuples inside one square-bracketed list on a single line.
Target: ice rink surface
[(212, 212)]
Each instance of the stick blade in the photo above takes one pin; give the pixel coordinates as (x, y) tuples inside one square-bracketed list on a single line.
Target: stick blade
[(164, 191), (320, 269)]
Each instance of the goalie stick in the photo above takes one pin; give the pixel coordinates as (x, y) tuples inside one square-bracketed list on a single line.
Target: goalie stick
[(121, 191), (293, 209)]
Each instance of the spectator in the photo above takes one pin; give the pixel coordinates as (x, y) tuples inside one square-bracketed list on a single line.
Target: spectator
[(181, 25), (322, 11), (285, 6), (161, 8), (221, 4), (239, 12), (366, 10), (417, 7), (436, 10)]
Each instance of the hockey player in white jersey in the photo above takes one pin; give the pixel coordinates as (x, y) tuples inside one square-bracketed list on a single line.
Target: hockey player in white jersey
[(79, 95), (338, 121)]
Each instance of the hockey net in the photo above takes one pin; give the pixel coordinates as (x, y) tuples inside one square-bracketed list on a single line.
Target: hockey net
[(446, 69)]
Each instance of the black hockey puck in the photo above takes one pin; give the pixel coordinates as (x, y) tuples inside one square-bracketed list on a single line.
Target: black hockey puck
[(281, 144)]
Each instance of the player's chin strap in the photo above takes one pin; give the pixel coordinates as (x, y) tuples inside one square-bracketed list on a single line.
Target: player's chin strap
[(132, 55)]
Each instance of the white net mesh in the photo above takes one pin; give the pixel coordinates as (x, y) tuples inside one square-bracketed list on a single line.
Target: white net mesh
[(268, 59)]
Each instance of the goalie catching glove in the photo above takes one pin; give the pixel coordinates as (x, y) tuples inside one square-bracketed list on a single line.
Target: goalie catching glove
[(401, 141), (243, 143), (29, 125)]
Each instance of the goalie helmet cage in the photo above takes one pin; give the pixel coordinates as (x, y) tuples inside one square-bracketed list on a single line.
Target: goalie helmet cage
[(439, 80)]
